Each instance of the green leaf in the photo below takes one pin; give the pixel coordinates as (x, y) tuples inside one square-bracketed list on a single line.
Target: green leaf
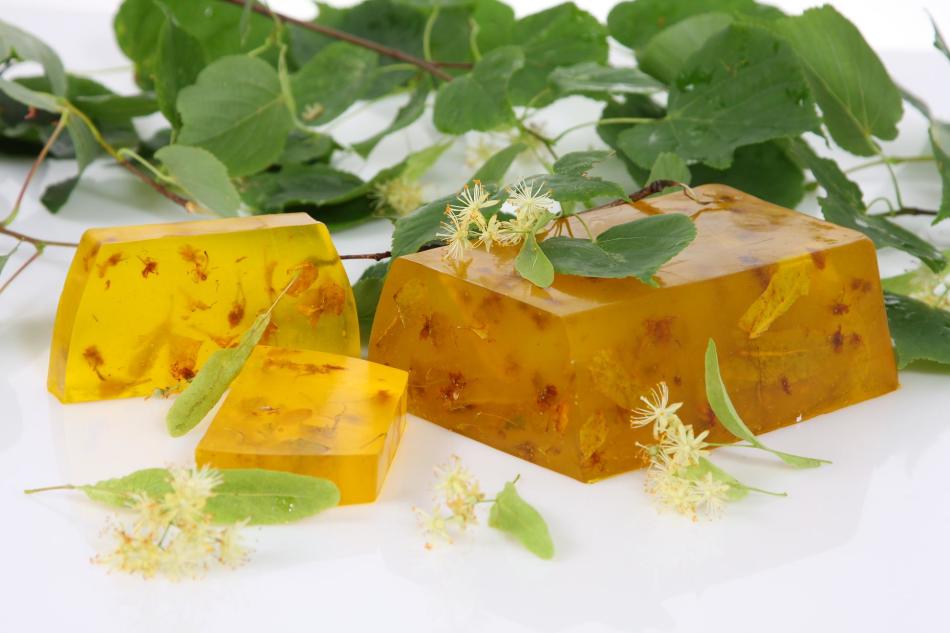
[(264, 497), (179, 59), (42, 100), (418, 163), (6, 257), (494, 170), (406, 115), (667, 52), (512, 514), (764, 170), (477, 101), (633, 249), (317, 184), (920, 331), (635, 23), (305, 147), (638, 106), (726, 413), (940, 142), (669, 166), (882, 231), (496, 24), (579, 163), (110, 106), (829, 176), (599, 81), (570, 181), (84, 143), (413, 231), (713, 109), (57, 194), (857, 97), (939, 42), (366, 292), (237, 112), (332, 81), (563, 35), (18, 44), (214, 378), (737, 490), (533, 264), (202, 177)]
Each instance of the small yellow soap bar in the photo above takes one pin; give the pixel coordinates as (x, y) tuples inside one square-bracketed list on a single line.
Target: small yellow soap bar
[(552, 375), (311, 413), (144, 306)]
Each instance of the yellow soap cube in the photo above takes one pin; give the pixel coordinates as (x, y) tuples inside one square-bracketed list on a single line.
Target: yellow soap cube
[(311, 413), (553, 375), (144, 306)]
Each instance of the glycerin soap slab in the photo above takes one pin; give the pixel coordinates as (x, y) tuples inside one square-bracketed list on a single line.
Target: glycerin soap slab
[(144, 306), (552, 375), (311, 413)]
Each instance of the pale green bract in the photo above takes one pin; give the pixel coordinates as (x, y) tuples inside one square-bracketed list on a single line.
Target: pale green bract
[(533, 264), (262, 497), (201, 176), (512, 514), (726, 413)]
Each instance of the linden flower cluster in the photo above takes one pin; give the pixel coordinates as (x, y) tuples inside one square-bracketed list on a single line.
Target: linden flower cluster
[(671, 477), (458, 491), (173, 536), (401, 194), (467, 227)]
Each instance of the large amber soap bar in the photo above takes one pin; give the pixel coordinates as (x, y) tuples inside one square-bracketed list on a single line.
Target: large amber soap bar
[(144, 306), (311, 413), (551, 375)]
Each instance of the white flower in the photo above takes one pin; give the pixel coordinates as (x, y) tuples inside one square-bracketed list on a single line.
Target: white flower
[(529, 203), (455, 234), (672, 490), (711, 495), (473, 200), (490, 233), (658, 411), (683, 448), (399, 194)]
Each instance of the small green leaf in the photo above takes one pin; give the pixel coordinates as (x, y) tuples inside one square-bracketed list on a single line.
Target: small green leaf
[(494, 170), (28, 97), (726, 413), (295, 185), (366, 292), (533, 264), (512, 514), (834, 181), (57, 194), (669, 166), (633, 106), (714, 109), (179, 59), (920, 331), (406, 115), (634, 249), (331, 81), (305, 147), (18, 44), (579, 163), (236, 111), (264, 497), (214, 378), (5, 258), (201, 176), (477, 101), (667, 52), (413, 231), (598, 81), (939, 42), (940, 142), (858, 99)]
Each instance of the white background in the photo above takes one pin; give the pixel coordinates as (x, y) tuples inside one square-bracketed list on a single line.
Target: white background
[(859, 545)]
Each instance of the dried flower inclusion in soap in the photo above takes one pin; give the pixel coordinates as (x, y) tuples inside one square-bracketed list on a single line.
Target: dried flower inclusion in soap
[(553, 375), (144, 306), (311, 413)]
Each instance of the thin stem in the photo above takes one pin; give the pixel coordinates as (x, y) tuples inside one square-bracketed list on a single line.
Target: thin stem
[(590, 234), (32, 258), (35, 241), (60, 126), (430, 67), (427, 33), (765, 492), (894, 160), (126, 152), (885, 200), (32, 491), (376, 256), (608, 121), (893, 175), (548, 143), (473, 39), (914, 211)]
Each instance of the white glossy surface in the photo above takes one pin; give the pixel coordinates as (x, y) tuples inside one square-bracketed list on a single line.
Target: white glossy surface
[(859, 545)]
